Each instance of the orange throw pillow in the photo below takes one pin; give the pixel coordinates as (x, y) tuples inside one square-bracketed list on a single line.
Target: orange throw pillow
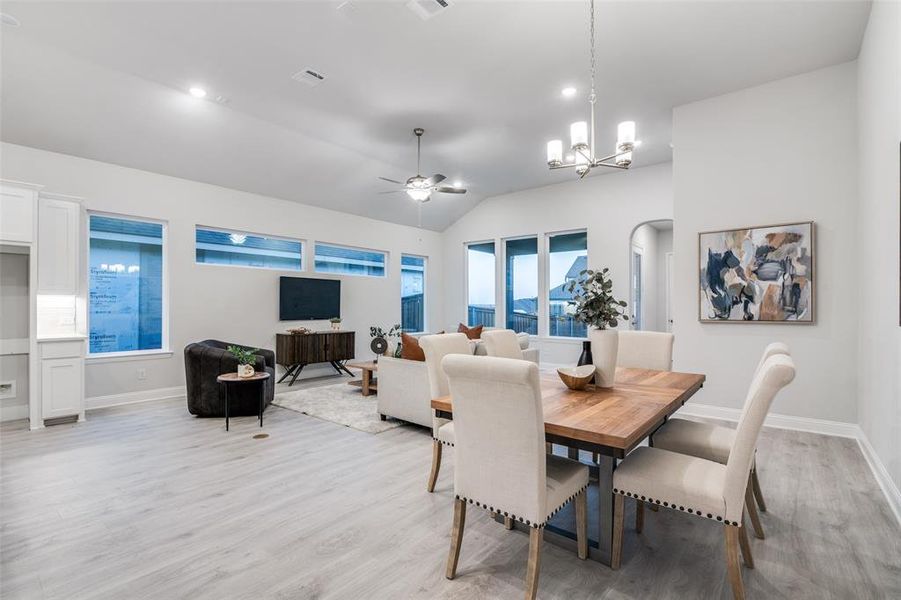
[(410, 348), (472, 333)]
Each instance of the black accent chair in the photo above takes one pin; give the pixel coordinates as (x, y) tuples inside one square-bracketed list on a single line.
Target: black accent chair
[(206, 360)]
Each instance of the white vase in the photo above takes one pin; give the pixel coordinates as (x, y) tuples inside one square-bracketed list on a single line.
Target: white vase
[(245, 370), (604, 346)]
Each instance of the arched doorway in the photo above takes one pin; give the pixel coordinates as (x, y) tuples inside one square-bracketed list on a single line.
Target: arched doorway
[(651, 276)]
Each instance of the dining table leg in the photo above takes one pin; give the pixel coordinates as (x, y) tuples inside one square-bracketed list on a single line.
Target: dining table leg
[(606, 465)]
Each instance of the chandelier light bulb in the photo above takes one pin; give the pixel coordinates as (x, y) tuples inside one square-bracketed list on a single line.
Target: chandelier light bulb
[(625, 136), (555, 152), (578, 133)]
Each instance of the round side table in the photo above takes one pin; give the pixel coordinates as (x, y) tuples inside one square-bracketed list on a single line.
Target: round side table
[(229, 379)]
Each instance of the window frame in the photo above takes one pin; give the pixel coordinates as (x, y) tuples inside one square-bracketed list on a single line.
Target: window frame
[(302, 242), (384, 253), (541, 281), (425, 294), (547, 279), (164, 348), (497, 271)]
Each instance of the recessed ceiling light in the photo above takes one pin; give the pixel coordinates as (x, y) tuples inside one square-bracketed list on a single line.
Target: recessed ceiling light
[(197, 92), (568, 92), (8, 19)]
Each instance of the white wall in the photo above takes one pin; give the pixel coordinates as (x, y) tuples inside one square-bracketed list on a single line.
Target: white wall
[(228, 303), (879, 102), (776, 153), (664, 247), (609, 206)]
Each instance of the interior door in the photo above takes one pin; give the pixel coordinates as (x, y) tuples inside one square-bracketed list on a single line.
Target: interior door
[(636, 288)]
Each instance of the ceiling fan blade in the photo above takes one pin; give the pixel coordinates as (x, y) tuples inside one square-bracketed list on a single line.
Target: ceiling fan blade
[(391, 180), (435, 179), (450, 190)]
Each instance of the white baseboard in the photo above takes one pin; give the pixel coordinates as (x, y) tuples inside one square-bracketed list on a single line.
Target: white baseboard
[(135, 397), (891, 491), (821, 426)]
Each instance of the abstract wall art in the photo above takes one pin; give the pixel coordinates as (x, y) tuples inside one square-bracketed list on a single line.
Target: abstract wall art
[(757, 274)]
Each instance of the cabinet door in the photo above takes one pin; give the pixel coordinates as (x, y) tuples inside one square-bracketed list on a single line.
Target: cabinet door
[(16, 214), (62, 387), (58, 232)]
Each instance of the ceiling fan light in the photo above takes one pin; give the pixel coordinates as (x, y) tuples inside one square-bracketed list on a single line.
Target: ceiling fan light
[(555, 153), (578, 133), (420, 195)]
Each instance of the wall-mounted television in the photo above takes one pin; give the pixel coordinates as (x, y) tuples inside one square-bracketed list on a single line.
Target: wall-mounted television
[(305, 299)]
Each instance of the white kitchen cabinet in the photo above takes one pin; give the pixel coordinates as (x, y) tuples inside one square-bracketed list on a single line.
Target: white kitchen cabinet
[(62, 379), (17, 208), (59, 224)]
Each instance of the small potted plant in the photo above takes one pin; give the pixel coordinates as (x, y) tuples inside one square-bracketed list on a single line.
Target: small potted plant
[(336, 323), (246, 358), (593, 304)]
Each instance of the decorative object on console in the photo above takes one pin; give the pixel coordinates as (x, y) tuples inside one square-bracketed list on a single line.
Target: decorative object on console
[(585, 358), (582, 135), (576, 378), (473, 333), (336, 323), (300, 331), (594, 304), (757, 274), (245, 357)]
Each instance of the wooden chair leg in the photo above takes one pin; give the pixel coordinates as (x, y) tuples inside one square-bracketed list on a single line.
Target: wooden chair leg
[(581, 501), (732, 564), (456, 537), (508, 523), (745, 544), (639, 516), (758, 494), (536, 536), (751, 507), (436, 465), (618, 518)]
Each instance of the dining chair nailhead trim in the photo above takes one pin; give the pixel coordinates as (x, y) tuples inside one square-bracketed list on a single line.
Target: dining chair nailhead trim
[(443, 442), (520, 519), (674, 507)]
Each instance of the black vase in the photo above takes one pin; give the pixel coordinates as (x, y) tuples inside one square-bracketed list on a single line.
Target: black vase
[(585, 358)]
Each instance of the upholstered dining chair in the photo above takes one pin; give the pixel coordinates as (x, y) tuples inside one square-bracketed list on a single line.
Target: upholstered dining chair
[(435, 348), (703, 487), (502, 343), (500, 463), (645, 350), (713, 442)]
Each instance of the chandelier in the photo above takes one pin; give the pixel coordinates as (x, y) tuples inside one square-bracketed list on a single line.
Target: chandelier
[(583, 157)]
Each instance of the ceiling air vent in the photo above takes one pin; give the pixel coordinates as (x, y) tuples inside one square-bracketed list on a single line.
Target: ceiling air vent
[(426, 9), (309, 76)]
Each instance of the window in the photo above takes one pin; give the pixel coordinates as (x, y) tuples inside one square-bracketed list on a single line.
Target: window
[(412, 293), (126, 285), (349, 261), (522, 285), (215, 247), (567, 258), (480, 269)]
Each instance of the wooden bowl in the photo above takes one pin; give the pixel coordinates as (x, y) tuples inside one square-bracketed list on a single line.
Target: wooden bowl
[(576, 378)]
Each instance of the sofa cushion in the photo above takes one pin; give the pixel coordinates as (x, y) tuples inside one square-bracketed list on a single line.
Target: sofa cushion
[(410, 348), (472, 333)]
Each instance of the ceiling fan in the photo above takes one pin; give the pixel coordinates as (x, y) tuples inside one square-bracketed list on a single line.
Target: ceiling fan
[(420, 188)]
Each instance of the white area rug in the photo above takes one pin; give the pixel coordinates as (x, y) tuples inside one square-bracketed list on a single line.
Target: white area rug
[(339, 403)]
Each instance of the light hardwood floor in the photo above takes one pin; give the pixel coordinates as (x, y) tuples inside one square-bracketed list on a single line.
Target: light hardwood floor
[(145, 501)]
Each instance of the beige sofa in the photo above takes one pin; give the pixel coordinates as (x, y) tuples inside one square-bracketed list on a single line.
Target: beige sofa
[(404, 391)]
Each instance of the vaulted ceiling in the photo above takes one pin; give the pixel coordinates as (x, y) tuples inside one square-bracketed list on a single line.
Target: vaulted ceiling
[(107, 80)]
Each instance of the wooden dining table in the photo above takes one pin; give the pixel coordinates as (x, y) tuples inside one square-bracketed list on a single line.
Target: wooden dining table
[(608, 423)]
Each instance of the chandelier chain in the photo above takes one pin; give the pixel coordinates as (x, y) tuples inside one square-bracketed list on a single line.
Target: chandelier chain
[(591, 97)]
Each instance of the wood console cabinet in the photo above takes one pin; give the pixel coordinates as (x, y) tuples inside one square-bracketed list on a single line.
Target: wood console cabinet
[(295, 351)]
